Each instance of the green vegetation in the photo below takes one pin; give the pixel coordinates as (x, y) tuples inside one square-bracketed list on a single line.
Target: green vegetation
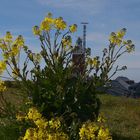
[(56, 100), (8, 128), (123, 116)]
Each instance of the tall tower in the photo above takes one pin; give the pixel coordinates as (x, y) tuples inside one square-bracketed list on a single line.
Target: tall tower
[(78, 56), (84, 33)]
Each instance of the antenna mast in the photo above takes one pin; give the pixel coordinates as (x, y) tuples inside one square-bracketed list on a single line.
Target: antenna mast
[(84, 33)]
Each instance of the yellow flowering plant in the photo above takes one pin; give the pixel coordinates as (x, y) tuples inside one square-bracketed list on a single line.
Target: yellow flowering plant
[(7, 109), (95, 130), (42, 129), (54, 128), (102, 67), (51, 85)]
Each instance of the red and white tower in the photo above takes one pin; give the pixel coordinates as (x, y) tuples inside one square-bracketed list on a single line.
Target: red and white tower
[(78, 56)]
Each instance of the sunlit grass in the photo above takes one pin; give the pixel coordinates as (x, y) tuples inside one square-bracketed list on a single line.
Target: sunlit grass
[(123, 116)]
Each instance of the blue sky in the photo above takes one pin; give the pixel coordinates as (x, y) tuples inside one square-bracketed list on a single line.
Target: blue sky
[(104, 16)]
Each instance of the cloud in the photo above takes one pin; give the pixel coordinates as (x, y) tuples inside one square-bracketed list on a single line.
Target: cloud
[(89, 6), (132, 65), (66, 3), (97, 36), (98, 41)]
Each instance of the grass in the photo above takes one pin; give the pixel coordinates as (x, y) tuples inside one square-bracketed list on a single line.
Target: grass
[(8, 128), (123, 116)]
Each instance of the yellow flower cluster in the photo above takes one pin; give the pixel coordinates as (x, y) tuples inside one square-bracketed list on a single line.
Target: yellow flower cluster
[(44, 130), (104, 134), (10, 51), (129, 46), (2, 66), (2, 86), (94, 130), (53, 23), (73, 28), (46, 24), (8, 37), (60, 24), (55, 123), (19, 41), (9, 46), (51, 129), (33, 114), (35, 57), (36, 30), (116, 38), (50, 23), (101, 119), (94, 62), (88, 131), (67, 41)]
